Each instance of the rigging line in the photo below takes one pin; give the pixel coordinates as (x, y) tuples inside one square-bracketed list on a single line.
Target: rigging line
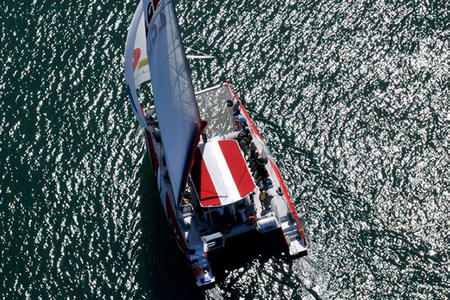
[(196, 55)]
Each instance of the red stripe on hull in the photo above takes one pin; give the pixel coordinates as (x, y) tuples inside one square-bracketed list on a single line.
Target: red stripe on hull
[(238, 169), (286, 194)]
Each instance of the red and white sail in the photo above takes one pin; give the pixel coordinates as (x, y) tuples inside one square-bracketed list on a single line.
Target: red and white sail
[(220, 174), (175, 103), (136, 61)]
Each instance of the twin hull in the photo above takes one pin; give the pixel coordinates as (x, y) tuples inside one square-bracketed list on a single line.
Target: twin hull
[(195, 242)]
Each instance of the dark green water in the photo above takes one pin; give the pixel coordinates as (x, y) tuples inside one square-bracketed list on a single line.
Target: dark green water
[(352, 97)]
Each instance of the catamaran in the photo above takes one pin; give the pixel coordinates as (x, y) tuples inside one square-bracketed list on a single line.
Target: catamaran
[(214, 173)]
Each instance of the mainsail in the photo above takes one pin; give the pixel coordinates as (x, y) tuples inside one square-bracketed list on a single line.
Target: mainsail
[(175, 103), (136, 61)]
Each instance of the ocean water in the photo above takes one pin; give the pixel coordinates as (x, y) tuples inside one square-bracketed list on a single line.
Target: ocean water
[(351, 96)]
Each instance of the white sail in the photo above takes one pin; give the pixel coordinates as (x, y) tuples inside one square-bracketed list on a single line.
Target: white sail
[(136, 61), (175, 103)]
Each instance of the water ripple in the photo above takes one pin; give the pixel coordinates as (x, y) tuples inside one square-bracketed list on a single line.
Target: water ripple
[(352, 98)]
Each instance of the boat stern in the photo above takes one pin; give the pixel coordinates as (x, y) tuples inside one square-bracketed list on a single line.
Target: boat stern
[(203, 277), (295, 239), (297, 247), (201, 267)]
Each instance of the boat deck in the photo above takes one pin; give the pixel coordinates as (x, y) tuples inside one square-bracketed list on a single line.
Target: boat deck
[(227, 122), (213, 108)]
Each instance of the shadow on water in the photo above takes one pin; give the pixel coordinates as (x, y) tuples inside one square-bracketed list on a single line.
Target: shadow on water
[(239, 251), (163, 269)]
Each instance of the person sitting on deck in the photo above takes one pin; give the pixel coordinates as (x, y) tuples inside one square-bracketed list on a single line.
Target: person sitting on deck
[(253, 152), (243, 134), (263, 197), (267, 184), (254, 161), (244, 138), (240, 121), (236, 109), (260, 162), (261, 173)]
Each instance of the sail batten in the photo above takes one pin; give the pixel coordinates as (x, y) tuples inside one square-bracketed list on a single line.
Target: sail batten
[(175, 103)]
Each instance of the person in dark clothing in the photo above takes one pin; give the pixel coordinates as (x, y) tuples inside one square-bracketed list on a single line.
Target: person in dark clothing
[(253, 152), (244, 133), (236, 109), (261, 172)]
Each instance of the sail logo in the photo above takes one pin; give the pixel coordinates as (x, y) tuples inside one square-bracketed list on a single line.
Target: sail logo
[(152, 27), (139, 63), (136, 56), (151, 7)]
